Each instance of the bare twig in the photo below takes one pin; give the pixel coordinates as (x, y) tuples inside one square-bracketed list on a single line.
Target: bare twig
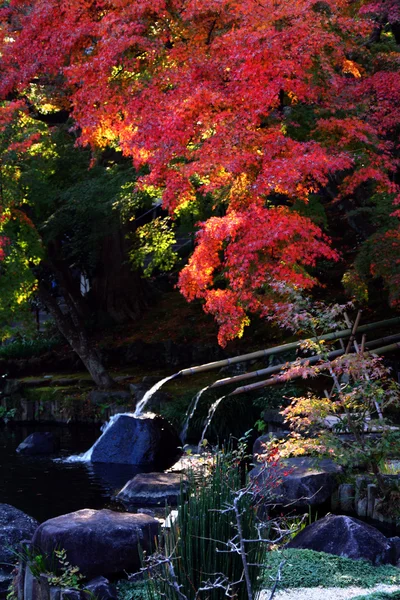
[(277, 580)]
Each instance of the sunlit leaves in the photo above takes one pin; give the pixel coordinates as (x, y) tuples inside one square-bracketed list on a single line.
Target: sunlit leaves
[(154, 247), (253, 105)]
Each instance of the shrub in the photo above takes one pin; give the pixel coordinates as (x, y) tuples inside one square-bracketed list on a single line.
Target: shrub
[(27, 347)]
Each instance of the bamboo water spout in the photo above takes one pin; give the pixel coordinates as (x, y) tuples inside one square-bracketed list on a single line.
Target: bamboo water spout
[(336, 335), (280, 379), (277, 368)]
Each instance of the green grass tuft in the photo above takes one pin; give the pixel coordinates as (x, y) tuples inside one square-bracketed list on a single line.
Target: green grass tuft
[(306, 568)]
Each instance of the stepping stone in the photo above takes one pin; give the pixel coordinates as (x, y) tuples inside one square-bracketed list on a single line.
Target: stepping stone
[(152, 489)]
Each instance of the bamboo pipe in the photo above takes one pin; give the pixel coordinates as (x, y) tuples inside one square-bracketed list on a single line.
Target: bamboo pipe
[(283, 348), (277, 368), (388, 348), (311, 360)]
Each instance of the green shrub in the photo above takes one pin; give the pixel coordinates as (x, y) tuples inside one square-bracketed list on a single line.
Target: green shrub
[(28, 347)]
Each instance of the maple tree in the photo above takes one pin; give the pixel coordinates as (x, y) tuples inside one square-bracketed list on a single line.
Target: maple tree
[(264, 106)]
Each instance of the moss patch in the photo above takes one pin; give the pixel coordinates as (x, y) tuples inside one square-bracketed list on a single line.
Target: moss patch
[(306, 568), (49, 394)]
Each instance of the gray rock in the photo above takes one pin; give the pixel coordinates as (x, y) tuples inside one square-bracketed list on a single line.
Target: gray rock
[(146, 511), (39, 443), (44, 587), (346, 497), (345, 536), (144, 441), (395, 543), (362, 507), (362, 482), (308, 481), (6, 578), (101, 589), (152, 489), (99, 542), (55, 593), (15, 526), (31, 586), (69, 594), (372, 495)]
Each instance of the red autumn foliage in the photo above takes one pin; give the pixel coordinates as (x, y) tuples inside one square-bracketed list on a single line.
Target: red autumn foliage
[(208, 96)]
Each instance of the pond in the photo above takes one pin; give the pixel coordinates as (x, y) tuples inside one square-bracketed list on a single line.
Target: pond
[(43, 487)]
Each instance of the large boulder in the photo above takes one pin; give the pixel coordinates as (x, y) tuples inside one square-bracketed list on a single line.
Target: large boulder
[(152, 489), (148, 441), (345, 536), (304, 481), (39, 443), (15, 526), (99, 542)]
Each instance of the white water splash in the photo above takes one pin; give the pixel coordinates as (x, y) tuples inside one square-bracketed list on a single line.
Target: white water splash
[(190, 413), (87, 456), (141, 405), (210, 415)]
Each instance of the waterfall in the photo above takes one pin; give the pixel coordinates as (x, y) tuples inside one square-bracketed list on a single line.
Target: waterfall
[(210, 415), (141, 405), (190, 413), (87, 456)]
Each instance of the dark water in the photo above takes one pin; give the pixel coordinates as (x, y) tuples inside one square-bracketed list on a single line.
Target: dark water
[(44, 488)]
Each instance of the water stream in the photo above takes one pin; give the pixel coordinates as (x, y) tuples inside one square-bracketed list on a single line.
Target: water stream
[(210, 415), (142, 404), (190, 413)]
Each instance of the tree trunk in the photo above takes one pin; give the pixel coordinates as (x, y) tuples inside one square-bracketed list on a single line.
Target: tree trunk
[(71, 327), (117, 290)]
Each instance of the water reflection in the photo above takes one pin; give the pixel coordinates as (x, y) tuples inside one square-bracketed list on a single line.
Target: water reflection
[(44, 488)]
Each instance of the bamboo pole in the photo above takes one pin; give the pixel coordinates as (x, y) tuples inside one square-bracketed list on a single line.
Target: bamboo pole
[(285, 347), (361, 353), (353, 331), (311, 360), (278, 368)]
